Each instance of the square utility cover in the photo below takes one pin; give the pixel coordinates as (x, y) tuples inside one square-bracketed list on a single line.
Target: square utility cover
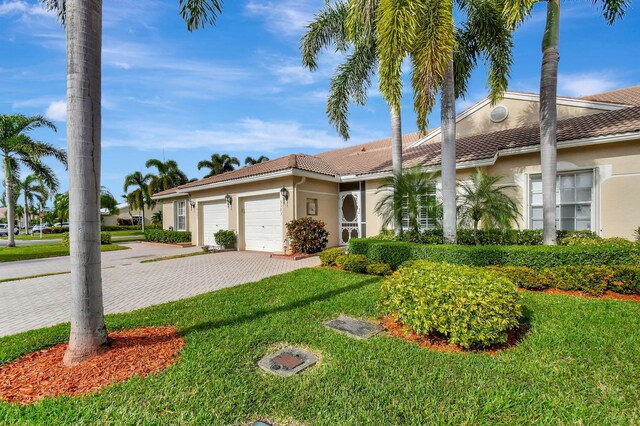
[(354, 327), (288, 361)]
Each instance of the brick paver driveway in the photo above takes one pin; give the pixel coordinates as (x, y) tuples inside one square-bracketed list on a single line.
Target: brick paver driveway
[(39, 302)]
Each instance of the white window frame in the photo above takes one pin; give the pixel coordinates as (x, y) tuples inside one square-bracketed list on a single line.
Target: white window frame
[(592, 202), (177, 215), (424, 220)]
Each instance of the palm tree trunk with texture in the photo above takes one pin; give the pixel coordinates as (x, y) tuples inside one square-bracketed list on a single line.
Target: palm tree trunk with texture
[(84, 44), (396, 155), (549, 119), (11, 208), (448, 174)]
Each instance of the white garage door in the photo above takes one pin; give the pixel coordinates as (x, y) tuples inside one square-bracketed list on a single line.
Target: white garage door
[(215, 217), (263, 224)]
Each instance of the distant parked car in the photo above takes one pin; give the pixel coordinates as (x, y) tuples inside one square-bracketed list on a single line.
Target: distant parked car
[(36, 229), (4, 230), (61, 225)]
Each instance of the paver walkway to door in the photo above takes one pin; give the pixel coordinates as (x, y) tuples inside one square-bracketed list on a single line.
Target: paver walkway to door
[(40, 302)]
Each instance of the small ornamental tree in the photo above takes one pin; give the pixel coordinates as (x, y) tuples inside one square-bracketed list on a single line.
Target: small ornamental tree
[(307, 235)]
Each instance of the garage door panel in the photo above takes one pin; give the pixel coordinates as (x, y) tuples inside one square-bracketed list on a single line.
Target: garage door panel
[(215, 217), (263, 224)]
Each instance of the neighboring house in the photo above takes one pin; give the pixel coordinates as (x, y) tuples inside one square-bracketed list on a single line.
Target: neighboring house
[(135, 217), (598, 175)]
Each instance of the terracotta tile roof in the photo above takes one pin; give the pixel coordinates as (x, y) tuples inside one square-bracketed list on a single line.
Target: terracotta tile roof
[(626, 96), (293, 161), (375, 157)]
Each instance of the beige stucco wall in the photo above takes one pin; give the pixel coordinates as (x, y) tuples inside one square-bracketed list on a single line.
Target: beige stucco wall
[(521, 113), (327, 195)]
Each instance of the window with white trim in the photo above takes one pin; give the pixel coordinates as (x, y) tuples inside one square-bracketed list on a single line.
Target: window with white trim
[(574, 198), (425, 220), (181, 216)]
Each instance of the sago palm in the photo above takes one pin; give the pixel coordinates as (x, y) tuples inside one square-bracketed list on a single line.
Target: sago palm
[(483, 200), (442, 58), (250, 161), (516, 12), (407, 195), (168, 175), (219, 163), (83, 24), (355, 38), (141, 195), (18, 148)]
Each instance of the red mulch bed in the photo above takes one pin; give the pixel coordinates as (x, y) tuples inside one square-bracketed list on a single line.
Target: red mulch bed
[(136, 352), (608, 295), (439, 343)]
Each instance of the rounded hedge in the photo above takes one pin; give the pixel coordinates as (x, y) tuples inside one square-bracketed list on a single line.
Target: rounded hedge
[(225, 238), (471, 307), (329, 256), (352, 262)]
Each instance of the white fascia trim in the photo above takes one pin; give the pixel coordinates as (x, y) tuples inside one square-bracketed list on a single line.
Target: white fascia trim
[(524, 97), (272, 175)]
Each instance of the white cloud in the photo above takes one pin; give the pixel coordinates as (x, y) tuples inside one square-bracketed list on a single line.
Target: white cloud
[(57, 110), (583, 84), (241, 136), (286, 17), (22, 8)]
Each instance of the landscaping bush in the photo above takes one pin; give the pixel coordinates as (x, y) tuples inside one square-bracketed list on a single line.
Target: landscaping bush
[(124, 228), (522, 276), (105, 238), (58, 230), (591, 280), (352, 262), (625, 280), (65, 240), (124, 222), (471, 307), (381, 269), (164, 236), (307, 235), (537, 257), (328, 257), (636, 234), (225, 238)]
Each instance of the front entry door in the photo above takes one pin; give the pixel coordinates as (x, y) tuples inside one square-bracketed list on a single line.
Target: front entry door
[(350, 214)]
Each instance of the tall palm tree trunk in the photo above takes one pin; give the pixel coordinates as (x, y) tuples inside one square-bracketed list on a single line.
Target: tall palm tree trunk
[(11, 212), (84, 44), (142, 208), (26, 212), (549, 119), (448, 134), (396, 155)]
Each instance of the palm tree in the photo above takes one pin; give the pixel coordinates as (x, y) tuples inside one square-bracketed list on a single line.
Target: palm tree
[(517, 11), (250, 161), (61, 207), (33, 189), (407, 195), (484, 201), (83, 22), (156, 218), (108, 201), (219, 163), (169, 175), (18, 148), (355, 35), (442, 57), (141, 196)]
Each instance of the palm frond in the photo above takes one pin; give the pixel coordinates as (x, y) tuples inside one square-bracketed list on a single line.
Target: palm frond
[(326, 29), (200, 13)]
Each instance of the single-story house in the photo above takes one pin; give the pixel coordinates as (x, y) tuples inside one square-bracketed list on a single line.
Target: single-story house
[(125, 213), (598, 175)]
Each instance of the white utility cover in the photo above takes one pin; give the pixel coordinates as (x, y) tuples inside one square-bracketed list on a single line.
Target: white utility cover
[(215, 216), (263, 224)]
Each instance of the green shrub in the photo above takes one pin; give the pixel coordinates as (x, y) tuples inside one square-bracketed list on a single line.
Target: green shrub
[(105, 238), (307, 235), (471, 307), (352, 263), (58, 230), (576, 278), (65, 240), (225, 238), (537, 257), (636, 234), (522, 276), (625, 280), (381, 269), (164, 236), (328, 257), (124, 228)]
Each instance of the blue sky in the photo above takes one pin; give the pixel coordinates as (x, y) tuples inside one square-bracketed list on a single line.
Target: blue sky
[(238, 88)]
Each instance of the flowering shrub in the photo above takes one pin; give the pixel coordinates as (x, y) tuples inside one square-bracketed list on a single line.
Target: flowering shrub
[(307, 235)]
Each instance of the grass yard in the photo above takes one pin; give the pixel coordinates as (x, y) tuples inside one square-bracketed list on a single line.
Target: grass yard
[(579, 365), (39, 251), (131, 234)]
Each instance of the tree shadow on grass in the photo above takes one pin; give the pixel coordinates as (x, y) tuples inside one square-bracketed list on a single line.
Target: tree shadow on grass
[(259, 313)]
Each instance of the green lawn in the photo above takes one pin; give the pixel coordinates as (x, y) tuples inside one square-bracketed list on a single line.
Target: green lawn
[(579, 365), (140, 234), (39, 251)]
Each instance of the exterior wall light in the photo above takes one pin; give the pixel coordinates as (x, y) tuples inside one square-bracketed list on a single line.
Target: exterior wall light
[(192, 204), (284, 193), (228, 199)]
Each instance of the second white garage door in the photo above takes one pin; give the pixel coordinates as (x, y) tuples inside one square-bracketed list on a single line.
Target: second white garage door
[(215, 217), (263, 224)]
